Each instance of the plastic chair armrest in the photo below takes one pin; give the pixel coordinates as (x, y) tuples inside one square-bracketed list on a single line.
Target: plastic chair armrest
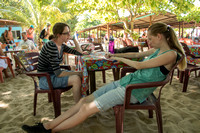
[(67, 67)]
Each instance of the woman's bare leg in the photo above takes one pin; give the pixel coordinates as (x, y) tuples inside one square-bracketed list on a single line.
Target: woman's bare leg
[(75, 81), (85, 111), (6, 72), (69, 113)]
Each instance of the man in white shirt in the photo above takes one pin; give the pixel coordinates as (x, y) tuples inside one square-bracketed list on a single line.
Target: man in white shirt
[(26, 44)]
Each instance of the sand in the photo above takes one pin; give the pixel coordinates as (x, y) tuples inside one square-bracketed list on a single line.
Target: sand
[(180, 111)]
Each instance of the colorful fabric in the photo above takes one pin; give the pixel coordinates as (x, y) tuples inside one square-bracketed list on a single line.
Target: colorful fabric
[(195, 50), (96, 61)]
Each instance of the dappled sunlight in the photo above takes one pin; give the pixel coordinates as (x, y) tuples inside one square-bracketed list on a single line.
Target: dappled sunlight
[(6, 93), (26, 95), (3, 105), (46, 119)]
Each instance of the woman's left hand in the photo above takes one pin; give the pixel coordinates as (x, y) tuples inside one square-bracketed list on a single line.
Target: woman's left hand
[(119, 59)]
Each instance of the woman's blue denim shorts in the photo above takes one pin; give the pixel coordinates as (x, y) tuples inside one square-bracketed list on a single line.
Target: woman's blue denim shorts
[(57, 82), (110, 95)]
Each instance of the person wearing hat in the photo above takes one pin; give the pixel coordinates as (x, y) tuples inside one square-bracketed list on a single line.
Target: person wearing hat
[(30, 32)]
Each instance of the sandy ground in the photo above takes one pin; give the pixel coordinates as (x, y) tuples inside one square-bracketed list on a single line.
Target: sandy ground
[(180, 111)]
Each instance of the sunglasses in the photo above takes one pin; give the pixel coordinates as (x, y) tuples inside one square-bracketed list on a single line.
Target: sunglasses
[(66, 33)]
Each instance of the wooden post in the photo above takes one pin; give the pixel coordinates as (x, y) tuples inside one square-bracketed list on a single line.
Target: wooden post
[(182, 29), (84, 36), (97, 35), (108, 31), (179, 31), (150, 20), (100, 35)]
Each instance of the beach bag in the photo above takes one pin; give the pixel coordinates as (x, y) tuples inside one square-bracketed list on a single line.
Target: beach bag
[(42, 34)]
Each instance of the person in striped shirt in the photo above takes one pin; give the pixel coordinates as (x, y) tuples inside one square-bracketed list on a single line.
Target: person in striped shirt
[(51, 57)]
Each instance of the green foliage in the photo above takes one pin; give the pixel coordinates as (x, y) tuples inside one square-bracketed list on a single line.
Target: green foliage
[(35, 12), (110, 10), (86, 22)]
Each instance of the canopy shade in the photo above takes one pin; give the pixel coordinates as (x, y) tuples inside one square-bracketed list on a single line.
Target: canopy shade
[(144, 21)]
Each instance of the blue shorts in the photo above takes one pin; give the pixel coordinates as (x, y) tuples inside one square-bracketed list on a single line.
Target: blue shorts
[(110, 95), (57, 82)]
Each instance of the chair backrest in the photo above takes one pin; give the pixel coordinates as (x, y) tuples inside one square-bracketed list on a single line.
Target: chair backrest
[(160, 84), (98, 47), (186, 49), (3, 46), (28, 61), (124, 43)]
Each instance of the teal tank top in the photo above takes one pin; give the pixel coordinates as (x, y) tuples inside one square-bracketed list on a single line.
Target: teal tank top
[(143, 76)]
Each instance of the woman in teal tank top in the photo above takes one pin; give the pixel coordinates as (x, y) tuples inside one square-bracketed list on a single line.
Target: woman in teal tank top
[(162, 55)]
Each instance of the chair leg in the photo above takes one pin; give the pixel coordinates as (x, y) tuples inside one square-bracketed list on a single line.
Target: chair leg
[(150, 113), (104, 76), (35, 104), (159, 118), (178, 73), (181, 76), (12, 72), (195, 74), (10, 67), (171, 77), (186, 79), (119, 114), (57, 103), (1, 74), (49, 97), (123, 73)]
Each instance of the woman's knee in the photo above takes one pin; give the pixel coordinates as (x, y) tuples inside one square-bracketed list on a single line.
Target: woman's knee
[(75, 79), (88, 108)]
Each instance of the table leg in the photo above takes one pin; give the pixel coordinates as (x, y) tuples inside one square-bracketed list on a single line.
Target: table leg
[(92, 81), (116, 72)]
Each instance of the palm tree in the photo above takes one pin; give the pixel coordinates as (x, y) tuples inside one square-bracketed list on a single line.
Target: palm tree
[(34, 12)]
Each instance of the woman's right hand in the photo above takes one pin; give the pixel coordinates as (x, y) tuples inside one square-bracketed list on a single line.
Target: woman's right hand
[(108, 55)]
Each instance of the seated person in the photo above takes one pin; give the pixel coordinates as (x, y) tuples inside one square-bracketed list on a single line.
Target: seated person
[(26, 44), (3, 63), (164, 54)]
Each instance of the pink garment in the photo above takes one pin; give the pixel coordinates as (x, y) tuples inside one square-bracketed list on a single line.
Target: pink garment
[(111, 47)]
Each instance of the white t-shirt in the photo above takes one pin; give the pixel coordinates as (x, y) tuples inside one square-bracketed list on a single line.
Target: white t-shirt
[(26, 45)]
